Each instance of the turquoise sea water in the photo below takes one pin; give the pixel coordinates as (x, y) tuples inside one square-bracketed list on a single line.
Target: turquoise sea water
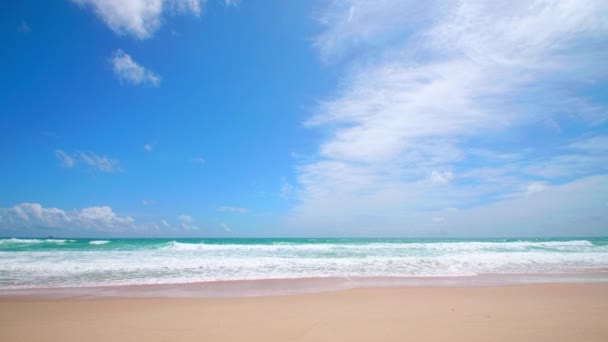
[(48, 263)]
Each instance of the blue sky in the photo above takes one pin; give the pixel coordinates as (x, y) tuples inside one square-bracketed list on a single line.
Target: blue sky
[(303, 118)]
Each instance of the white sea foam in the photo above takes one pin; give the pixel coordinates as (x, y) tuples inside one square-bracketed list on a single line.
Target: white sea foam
[(15, 241), (58, 241), (99, 242), (575, 245), (33, 241), (182, 262)]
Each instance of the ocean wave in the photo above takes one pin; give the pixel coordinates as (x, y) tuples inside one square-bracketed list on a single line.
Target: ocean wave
[(33, 241), (99, 242), (64, 268), (452, 246), (57, 241), (126, 262)]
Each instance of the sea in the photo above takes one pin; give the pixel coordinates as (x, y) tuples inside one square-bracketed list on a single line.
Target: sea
[(33, 263)]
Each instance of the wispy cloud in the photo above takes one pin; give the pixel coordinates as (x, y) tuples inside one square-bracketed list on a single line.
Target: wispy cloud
[(148, 202), (287, 190), (149, 147), (129, 71), (580, 158), (439, 177), (65, 159), (139, 18), (99, 163), (230, 209), (24, 27), (353, 24), (225, 227), (596, 144), (198, 160), (92, 160), (578, 207), (425, 82)]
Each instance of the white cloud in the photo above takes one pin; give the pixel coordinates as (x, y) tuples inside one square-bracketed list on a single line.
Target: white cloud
[(597, 144), (64, 159), (535, 188), (92, 160), (579, 158), (352, 23), (187, 223), (149, 147), (184, 218), (439, 220), (24, 27), (426, 80), (33, 215), (438, 177), (198, 160), (139, 18), (287, 190), (225, 227), (129, 71), (351, 13), (230, 209), (99, 163), (576, 208), (147, 202)]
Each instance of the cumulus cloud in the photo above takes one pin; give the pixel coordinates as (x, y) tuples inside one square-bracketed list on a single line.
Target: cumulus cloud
[(129, 71), (34, 215), (34, 219), (427, 81), (138, 18), (187, 223), (91, 160)]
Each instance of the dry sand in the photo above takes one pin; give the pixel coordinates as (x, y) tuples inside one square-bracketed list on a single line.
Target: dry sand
[(561, 312)]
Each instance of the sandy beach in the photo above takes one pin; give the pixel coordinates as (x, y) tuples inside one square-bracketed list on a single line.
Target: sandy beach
[(550, 312)]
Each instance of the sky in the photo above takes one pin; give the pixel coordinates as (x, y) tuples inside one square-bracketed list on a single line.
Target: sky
[(345, 118)]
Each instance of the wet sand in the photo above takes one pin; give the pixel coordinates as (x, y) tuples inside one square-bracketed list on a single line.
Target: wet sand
[(549, 312)]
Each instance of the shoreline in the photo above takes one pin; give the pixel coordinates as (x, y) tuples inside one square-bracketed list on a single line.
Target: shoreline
[(534, 312), (297, 286)]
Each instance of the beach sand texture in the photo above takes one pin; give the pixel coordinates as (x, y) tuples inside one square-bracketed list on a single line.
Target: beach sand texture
[(560, 312)]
